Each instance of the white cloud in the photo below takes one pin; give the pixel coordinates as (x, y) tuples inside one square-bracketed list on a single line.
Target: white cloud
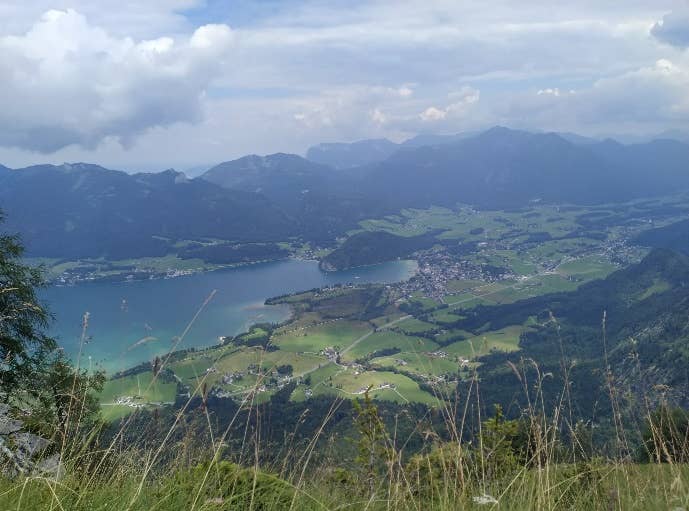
[(553, 92), (462, 100), (67, 82), (348, 110), (646, 100), (433, 114), (213, 38), (322, 71), (378, 117)]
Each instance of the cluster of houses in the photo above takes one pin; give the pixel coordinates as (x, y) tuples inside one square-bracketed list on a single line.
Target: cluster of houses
[(438, 266), (331, 353), (380, 386), (442, 379), (129, 401), (463, 362)]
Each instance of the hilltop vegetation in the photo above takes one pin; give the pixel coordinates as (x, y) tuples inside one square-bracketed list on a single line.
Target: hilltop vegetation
[(374, 247)]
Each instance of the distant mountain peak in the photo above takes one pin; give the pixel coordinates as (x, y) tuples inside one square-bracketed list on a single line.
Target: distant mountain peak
[(433, 139), (254, 163), (343, 155), (281, 177), (173, 175), (501, 132), (81, 166), (66, 168), (83, 210)]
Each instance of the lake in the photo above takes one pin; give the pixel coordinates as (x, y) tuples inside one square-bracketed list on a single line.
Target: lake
[(132, 322)]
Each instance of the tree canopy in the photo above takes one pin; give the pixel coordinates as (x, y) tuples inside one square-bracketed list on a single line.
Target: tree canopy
[(25, 349), (34, 374)]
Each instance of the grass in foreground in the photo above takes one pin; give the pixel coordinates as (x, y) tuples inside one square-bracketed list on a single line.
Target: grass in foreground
[(226, 486)]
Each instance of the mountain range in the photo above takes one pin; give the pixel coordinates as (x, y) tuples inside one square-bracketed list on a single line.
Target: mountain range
[(342, 155), (503, 168), (83, 210)]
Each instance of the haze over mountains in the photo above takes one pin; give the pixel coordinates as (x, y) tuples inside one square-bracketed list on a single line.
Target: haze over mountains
[(85, 210)]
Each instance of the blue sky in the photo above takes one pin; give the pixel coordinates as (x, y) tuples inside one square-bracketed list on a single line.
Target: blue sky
[(181, 83)]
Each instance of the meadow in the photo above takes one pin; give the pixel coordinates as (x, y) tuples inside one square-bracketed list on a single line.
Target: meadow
[(548, 249), (390, 401)]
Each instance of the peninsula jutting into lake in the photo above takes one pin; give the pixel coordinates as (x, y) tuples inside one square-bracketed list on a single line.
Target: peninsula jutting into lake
[(122, 314)]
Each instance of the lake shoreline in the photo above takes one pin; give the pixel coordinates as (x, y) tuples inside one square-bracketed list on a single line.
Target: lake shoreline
[(123, 313), (170, 273)]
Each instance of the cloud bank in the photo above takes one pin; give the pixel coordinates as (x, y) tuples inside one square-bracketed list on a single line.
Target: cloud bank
[(68, 82), (137, 85)]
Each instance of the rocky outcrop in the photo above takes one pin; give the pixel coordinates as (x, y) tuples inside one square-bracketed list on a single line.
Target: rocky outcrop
[(23, 453)]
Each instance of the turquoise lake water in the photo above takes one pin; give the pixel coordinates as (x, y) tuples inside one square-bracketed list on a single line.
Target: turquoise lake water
[(132, 322)]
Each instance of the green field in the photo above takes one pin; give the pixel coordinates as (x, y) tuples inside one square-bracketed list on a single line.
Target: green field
[(445, 316), (105, 268), (414, 326), (505, 339), (547, 249), (324, 372), (421, 364), (314, 339), (459, 224), (590, 268), (467, 302), (210, 369), (389, 339), (140, 389), (383, 320), (348, 384), (140, 386), (254, 333), (422, 302), (445, 336)]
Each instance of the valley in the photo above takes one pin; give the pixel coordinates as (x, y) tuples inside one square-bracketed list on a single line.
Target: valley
[(408, 342), (344, 256)]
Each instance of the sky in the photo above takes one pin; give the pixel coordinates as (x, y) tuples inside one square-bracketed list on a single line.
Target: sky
[(149, 85)]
